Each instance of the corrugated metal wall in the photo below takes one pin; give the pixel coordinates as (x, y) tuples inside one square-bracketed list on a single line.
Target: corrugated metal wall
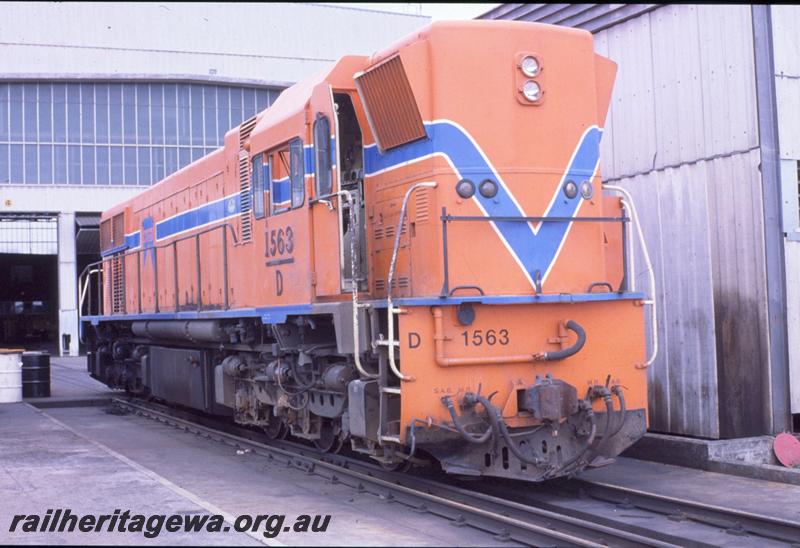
[(786, 42), (591, 17), (682, 136), (786, 45)]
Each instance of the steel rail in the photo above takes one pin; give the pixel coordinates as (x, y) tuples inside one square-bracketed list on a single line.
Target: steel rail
[(507, 520), (733, 520)]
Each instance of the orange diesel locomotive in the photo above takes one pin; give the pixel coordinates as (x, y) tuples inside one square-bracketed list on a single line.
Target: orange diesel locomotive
[(409, 252)]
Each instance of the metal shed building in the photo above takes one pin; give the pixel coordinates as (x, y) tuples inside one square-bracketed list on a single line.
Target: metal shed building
[(703, 131)]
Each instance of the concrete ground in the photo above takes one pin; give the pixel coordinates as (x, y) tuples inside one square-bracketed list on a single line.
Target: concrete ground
[(775, 499), (93, 462), (82, 457)]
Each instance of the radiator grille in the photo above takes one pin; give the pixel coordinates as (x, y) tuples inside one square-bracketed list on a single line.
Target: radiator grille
[(245, 198), (391, 108), (118, 284), (117, 230)]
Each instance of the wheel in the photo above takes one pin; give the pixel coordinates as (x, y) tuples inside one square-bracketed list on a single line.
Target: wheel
[(403, 466), (329, 441), (275, 429)]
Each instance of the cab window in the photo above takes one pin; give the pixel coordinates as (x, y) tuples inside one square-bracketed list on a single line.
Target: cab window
[(257, 184), (322, 151), (298, 173), (287, 177)]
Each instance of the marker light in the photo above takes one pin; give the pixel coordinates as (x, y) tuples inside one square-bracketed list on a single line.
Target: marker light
[(488, 188), (570, 189), (587, 190), (529, 66), (465, 188), (531, 91)]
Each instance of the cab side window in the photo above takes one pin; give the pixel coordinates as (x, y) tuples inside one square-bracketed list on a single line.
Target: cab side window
[(297, 172), (257, 184), (280, 199), (287, 177), (322, 151)]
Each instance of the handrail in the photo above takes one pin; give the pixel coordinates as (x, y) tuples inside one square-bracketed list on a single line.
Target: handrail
[(628, 202), (326, 199), (448, 218), (505, 218), (97, 266), (82, 289), (346, 194), (391, 310)]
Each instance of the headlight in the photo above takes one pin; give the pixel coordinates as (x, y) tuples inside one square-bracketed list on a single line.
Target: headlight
[(529, 66), (570, 189), (465, 188), (587, 190), (488, 188), (531, 91)]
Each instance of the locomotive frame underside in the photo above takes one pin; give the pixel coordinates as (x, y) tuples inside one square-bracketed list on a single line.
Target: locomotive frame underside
[(299, 377)]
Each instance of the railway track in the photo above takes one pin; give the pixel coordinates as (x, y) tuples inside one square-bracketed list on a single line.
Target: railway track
[(733, 521), (527, 516)]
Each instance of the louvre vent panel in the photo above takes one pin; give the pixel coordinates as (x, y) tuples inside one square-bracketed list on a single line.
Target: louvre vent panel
[(245, 129), (423, 205), (390, 104), (403, 283), (117, 230), (390, 230), (118, 285), (105, 235), (245, 198)]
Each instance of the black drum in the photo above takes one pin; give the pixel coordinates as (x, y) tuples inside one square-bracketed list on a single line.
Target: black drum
[(35, 375)]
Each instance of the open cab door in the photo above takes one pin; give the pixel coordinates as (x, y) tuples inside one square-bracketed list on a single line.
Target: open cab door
[(337, 209)]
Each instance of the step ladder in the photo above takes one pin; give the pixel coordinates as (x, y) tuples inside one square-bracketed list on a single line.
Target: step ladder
[(386, 393)]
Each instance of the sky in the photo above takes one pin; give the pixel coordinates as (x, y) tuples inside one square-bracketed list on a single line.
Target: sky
[(433, 10)]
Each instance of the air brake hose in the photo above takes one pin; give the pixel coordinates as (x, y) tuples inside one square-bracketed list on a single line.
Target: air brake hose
[(567, 352), (617, 389), (472, 438), (583, 451), (500, 425), (607, 418)]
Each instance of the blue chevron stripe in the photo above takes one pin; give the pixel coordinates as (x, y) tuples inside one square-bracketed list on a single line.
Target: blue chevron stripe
[(534, 248)]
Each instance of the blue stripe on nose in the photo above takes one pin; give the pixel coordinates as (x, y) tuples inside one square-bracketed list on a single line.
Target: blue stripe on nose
[(535, 250)]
